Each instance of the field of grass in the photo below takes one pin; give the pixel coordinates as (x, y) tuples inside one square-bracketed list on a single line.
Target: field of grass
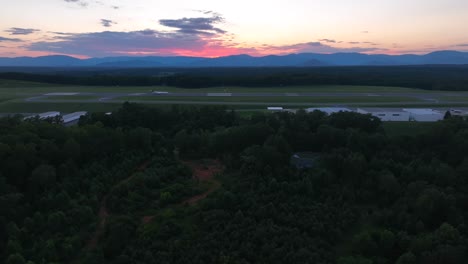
[(14, 93), (292, 89), (31, 107), (454, 98), (71, 97), (31, 87), (274, 99)]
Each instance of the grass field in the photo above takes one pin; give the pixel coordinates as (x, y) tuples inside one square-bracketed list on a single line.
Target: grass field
[(31, 107), (32, 87), (13, 95), (274, 99), (454, 98), (71, 97)]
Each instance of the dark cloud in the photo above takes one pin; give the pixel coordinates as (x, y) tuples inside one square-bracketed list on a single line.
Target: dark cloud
[(60, 33), (21, 31), (3, 39), (86, 3), (110, 43), (328, 40), (81, 3), (354, 42), (199, 36), (316, 47), (198, 33), (197, 25), (148, 32), (370, 43), (107, 23), (153, 42), (365, 32), (462, 45)]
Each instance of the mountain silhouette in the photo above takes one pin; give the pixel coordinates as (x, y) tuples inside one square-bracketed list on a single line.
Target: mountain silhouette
[(243, 60)]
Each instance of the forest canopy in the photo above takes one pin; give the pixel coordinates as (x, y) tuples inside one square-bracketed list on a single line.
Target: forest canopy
[(427, 77), (370, 198)]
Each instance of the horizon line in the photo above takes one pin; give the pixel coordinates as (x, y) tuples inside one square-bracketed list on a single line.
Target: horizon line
[(240, 54)]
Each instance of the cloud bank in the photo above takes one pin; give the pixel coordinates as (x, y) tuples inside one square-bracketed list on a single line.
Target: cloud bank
[(107, 23), (21, 31), (81, 3), (188, 36), (3, 39), (199, 25)]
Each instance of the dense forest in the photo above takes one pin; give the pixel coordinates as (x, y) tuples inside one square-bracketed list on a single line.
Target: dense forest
[(112, 189), (450, 77)]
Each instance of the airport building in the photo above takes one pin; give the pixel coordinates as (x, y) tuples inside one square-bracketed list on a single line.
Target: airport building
[(275, 108), (389, 114), (459, 112), (73, 118), (44, 115), (424, 115)]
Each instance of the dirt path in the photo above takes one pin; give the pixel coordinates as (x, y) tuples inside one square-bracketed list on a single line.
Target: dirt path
[(103, 212), (203, 171), (195, 199)]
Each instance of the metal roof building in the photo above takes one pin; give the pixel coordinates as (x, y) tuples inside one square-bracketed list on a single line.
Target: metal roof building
[(275, 108), (386, 114), (424, 115), (44, 115), (73, 118)]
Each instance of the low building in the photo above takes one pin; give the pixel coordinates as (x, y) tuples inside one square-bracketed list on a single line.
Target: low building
[(328, 110), (386, 114), (275, 108), (304, 160), (424, 115), (458, 112), (45, 115), (73, 118)]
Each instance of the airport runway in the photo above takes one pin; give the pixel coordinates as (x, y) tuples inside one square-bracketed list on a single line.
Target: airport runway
[(101, 96)]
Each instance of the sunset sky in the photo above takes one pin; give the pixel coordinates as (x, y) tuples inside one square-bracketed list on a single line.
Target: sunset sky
[(212, 28)]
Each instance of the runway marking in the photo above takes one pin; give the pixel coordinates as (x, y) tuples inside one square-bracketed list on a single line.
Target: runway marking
[(219, 94), (292, 94), (374, 95), (136, 94), (60, 94)]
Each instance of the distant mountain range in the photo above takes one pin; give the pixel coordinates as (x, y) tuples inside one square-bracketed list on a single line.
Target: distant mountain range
[(292, 60)]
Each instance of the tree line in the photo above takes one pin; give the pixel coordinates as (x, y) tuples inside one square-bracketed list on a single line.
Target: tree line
[(370, 198), (453, 78)]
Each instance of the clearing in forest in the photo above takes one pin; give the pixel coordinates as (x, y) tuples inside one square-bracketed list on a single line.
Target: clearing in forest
[(203, 171)]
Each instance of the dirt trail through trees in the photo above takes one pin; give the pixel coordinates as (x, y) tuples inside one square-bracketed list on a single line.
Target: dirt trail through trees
[(104, 213), (203, 171)]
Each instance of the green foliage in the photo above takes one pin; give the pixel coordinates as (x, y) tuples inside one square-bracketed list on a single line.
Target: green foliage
[(16, 259), (423, 77), (370, 198)]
